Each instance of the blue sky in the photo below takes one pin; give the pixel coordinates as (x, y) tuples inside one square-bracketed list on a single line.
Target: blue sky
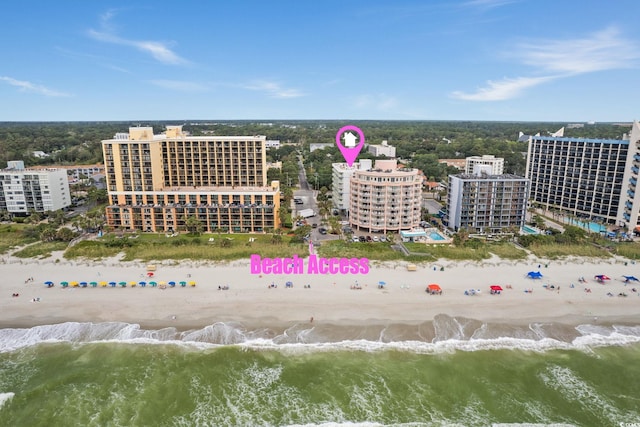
[(508, 60)]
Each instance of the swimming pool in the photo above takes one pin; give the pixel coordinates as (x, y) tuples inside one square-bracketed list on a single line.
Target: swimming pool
[(594, 227), (436, 236), (529, 230)]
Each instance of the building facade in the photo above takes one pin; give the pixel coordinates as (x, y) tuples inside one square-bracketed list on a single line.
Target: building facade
[(385, 198), (383, 149), (25, 190), (490, 164), (593, 179), (483, 203), (341, 174), (156, 182)]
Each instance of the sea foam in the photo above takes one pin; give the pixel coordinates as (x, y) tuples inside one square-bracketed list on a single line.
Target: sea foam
[(450, 335)]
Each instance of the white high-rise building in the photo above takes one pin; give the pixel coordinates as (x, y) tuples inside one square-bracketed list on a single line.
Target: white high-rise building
[(486, 203), (341, 182), (23, 190)]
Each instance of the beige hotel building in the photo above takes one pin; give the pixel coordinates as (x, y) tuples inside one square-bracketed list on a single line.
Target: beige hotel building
[(156, 182), (385, 198)]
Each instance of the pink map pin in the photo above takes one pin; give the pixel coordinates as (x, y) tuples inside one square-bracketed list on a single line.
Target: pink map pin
[(350, 149)]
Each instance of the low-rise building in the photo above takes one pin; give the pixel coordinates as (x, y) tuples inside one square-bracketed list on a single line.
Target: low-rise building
[(383, 149)]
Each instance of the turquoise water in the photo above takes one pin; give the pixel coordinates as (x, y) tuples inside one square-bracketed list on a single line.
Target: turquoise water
[(594, 227), (119, 375), (529, 230), (435, 236)]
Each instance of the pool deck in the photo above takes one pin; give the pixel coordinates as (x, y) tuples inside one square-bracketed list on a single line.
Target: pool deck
[(431, 241)]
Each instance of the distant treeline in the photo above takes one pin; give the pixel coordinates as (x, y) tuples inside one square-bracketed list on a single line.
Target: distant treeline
[(422, 141)]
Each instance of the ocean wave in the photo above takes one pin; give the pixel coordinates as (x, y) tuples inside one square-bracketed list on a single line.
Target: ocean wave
[(444, 335), (4, 398)]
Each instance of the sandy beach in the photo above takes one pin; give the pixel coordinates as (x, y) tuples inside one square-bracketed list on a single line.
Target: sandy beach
[(321, 299)]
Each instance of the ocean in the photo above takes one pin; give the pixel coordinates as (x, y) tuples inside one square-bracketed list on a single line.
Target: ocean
[(449, 372)]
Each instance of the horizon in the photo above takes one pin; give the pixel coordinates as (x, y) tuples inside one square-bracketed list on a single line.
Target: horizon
[(459, 60)]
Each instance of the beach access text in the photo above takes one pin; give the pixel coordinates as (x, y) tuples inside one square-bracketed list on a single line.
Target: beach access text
[(315, 265)]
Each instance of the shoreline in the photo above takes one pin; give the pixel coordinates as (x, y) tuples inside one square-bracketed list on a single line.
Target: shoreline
[(329, 300)]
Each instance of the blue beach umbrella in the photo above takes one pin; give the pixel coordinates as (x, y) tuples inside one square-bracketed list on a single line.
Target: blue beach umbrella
[(112, 284), (172, 283), (49, 284), (143, 284)]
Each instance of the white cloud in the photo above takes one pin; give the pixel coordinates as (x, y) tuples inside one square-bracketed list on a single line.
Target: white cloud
[(487, 4), (503, 89), (604, 50), (180, 85), (158, 50), (380, 102), (32, 87), (273, 89)]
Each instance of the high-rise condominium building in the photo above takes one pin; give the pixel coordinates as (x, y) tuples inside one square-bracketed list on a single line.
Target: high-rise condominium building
[(341, 174), (486, 203), (491, 164), (157, 182), (594, 179), (385, 198), (24, 190)]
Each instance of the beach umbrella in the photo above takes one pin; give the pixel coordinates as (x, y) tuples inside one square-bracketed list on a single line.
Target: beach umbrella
[(132, 284), (123, 284), (112, 284), (49, 284), (183, 284), (143, 284), (94, 284), (631, 278), (153, 284), (534, 275), (83, 284), (192, 283), (172, 283), (162, 283), (495, 287), (103, 284), (74, 284), (150, 274), (434, 288), (64, 284)]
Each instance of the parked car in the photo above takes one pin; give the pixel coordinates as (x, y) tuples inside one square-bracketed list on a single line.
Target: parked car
[(322, 230), (355, 239), (369, 239), (314, 225), (383, 239), (362, 239), (375, 238)]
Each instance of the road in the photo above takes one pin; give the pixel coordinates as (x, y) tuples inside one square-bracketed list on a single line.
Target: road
[(308, 196)]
